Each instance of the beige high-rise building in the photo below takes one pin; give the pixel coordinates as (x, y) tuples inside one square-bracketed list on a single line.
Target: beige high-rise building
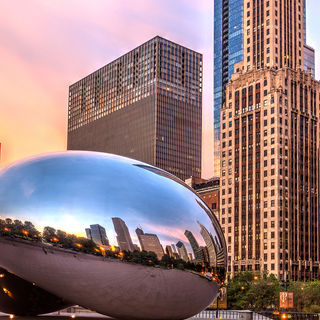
[(270, 148)]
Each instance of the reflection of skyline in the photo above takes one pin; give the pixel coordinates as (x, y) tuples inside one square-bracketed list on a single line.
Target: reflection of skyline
[(209, 253), (70, 191), (165, 206), (148, 241)]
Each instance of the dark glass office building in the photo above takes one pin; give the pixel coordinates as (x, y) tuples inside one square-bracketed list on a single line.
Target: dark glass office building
[(146, 105), (228, 50)]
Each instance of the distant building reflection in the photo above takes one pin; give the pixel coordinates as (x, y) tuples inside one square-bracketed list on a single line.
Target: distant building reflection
[(197, 251), (182, 251), (123, 236), (210, 254), (169, 251), (174, 249), (97, 234), (150, 242), (207, 237)]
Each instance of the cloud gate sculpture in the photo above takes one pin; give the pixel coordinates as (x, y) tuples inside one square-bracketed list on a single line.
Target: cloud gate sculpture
[(108, 233)]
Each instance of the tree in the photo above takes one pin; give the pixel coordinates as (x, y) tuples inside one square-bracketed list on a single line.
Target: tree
[(249, 291), (306, 296), (312, 297)]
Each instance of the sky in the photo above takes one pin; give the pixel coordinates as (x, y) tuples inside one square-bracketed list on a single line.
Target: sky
[(47, 45)]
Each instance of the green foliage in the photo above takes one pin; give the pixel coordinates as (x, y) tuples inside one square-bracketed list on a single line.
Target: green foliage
[(244, 292), (306, 296), (247, 292)]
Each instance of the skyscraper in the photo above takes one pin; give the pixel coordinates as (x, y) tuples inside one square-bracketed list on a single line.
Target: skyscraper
[(145, 105), (97, 234), (150, 242), (228, 50), (123, 235), (270, 148), (182, 251)]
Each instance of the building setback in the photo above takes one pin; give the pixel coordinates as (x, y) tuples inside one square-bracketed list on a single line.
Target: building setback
[(270, 148), (145, 105)]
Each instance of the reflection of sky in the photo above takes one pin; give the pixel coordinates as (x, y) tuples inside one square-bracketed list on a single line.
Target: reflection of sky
[(72, 190)]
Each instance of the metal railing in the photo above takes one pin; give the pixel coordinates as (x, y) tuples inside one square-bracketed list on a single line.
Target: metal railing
[(213, 314), (250, 315)]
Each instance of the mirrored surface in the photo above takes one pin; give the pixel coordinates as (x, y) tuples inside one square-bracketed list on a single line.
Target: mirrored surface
[(113, 207)]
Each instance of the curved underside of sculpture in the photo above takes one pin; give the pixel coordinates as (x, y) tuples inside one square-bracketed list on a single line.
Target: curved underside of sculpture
[(20, 297)]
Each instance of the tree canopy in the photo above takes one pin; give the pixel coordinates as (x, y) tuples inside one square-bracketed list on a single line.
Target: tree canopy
[(254, 292), (248, 290)]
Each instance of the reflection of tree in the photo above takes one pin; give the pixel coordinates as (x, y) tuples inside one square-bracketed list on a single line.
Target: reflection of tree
[(49, 234), (19, 229), (69, 241), (141, 257)]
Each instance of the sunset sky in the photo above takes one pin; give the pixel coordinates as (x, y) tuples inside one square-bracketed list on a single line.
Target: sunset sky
[(47, 45)]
